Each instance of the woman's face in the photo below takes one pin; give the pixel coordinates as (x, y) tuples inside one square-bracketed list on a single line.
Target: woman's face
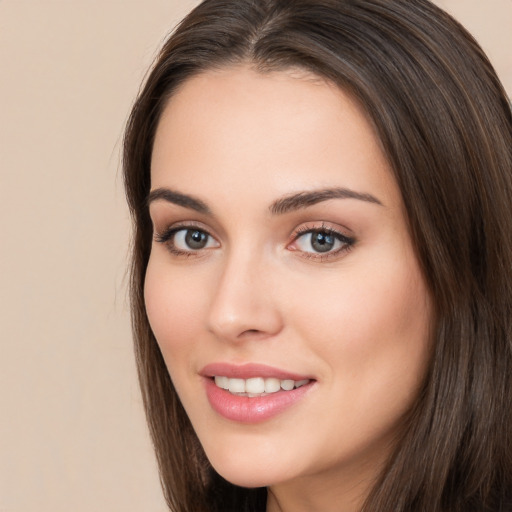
[(281, 259)]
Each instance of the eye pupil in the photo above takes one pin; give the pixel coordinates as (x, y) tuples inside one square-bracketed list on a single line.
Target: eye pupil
[(196, 239), (321, 241)]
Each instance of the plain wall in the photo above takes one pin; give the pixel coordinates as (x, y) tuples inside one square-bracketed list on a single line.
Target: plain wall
[(72, 432)]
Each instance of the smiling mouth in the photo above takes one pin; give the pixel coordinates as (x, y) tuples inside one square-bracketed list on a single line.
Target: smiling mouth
[(257, 386)]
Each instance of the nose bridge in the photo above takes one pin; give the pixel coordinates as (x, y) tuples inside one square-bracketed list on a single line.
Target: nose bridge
[(244, 303)]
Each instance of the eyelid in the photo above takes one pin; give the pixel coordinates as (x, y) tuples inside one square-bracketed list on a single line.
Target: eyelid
[(176, 226), (309, 227)]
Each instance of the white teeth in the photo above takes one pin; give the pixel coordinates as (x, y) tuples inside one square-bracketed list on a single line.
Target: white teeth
[(287, 385), (257, 386), (272, 385), (222, 382), (236, 385)]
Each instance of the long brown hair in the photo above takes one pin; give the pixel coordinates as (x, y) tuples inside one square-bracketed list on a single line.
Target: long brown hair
[(445, 124)]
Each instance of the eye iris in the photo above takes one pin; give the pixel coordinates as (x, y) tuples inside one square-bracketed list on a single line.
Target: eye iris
[(196, 239), (321, 241)]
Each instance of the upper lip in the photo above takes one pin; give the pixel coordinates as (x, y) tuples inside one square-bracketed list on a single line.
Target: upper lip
[(248, 371)]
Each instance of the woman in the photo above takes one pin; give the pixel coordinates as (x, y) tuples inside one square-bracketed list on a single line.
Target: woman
[(321, 281)]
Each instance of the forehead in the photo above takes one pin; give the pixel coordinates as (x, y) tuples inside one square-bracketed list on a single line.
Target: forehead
[(286, 131)]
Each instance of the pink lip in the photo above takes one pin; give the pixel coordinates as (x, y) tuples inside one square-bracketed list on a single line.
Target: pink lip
[(244, 409), (248, 371)]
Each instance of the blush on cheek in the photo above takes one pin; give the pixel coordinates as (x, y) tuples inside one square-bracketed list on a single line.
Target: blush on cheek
[(159, 308), (172, 307)]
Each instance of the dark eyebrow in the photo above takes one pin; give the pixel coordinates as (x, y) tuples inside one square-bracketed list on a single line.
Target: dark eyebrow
[(174, 197), (309, 198), (284, 205)]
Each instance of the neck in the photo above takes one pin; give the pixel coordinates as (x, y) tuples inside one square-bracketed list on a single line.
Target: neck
[(321, 493)]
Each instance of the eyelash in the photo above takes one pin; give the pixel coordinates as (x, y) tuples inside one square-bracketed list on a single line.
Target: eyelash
[(167, 236), (348, 242)]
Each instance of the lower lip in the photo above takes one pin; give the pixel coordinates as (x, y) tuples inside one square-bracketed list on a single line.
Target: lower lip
[(252, 410)]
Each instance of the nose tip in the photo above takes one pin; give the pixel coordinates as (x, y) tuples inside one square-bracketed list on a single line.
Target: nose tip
[(244, 307)]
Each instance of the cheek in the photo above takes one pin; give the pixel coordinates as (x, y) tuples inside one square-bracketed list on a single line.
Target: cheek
[(372, 325), (173, 308), (372, 334)]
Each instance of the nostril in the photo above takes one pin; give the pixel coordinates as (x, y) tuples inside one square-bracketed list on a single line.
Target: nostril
[(252, 334)]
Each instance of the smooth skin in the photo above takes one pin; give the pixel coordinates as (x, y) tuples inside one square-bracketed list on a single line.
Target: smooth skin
[(240, 282)]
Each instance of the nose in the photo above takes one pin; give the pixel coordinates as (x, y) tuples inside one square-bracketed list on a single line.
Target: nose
[(244, 305)]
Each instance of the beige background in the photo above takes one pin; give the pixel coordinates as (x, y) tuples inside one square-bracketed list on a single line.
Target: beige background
[(72, 432)]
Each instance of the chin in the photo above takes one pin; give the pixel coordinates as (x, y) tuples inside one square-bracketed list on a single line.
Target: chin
[(242, 470), (243, 475), (248, 480)]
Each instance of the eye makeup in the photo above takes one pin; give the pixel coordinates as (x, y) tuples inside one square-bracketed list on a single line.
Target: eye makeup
[(321, 243), (313, 241), (186, 240)]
